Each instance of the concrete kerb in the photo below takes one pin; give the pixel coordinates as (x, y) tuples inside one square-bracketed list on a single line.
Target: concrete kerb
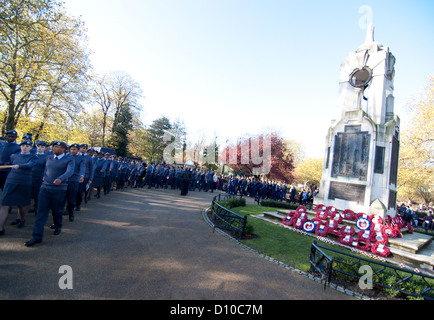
[(281, 264)]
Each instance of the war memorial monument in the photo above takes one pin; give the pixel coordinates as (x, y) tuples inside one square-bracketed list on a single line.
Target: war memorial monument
[(362, 145)]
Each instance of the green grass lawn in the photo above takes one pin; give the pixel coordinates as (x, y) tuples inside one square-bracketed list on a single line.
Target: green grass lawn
[(275, 241), (287, 246)]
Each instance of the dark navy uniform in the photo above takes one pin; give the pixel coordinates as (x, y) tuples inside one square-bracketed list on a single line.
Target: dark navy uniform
[(59, 168), (38, 173), (74, 182), (88, 176), (18, 187), (99, 174), (10, 147)]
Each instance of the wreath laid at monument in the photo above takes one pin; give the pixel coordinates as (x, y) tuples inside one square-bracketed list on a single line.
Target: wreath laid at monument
[(372, 232)]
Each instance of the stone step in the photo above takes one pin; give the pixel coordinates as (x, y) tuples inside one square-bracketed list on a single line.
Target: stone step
[(412, 243), (275, 216)]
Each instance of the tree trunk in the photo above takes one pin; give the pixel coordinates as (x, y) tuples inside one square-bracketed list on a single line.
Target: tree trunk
[(10, 119)]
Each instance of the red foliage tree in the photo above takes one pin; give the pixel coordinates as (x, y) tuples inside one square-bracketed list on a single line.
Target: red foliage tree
[(265, 155)]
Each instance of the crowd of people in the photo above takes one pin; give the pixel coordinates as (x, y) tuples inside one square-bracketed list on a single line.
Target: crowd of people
[(59, 178), (269, 190), (54, 177), (410, 215)]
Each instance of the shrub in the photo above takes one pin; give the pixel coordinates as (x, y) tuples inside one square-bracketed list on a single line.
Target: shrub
[(278, 204), (232, 203)]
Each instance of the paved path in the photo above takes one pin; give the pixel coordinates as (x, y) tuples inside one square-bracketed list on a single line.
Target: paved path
[(144, 244)]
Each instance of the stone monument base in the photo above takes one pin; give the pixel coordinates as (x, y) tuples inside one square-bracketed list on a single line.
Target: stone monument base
[(376, 207)]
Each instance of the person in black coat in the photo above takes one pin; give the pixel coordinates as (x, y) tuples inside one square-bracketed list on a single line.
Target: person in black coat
[(99, 174), (185, 182)]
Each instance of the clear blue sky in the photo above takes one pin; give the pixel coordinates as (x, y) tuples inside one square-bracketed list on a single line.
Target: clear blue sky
[(235, 67)]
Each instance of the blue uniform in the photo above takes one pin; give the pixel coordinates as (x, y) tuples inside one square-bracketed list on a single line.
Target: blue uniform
[(9, 148), (37, 175), (88, 176), (74, 183), (52, 196), (99, 173), (18, 186), (148, 178)]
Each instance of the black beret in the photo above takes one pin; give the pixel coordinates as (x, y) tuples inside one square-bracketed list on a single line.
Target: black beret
[(12, 132), (61, 143), (26, 142)]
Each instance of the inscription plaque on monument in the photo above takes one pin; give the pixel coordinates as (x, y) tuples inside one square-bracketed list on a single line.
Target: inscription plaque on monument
[(351, 155), (347, 191)]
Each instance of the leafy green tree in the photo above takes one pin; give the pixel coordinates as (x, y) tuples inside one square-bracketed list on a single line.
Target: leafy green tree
[(416, 163), (43, 61), (154, 139), (309, 171), (121, 127)]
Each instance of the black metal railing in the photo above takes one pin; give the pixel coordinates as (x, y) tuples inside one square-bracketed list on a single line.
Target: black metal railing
[(225, 219), (407, 282), (321, 262)]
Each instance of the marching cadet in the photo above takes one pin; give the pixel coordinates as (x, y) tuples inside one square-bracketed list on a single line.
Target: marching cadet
[(166, 176), (38, 172), (75, 180), (122, 172), (172, 177), (119, 182), (29, 137), (178, 177), (99, 174), (107, 173), (10, 147), (59, 168), (18, 186), (88, 190), (193, 180), (50, 147), (209, 178), (142, 175), (149, 173), (84, 186), (199, 179), (114, 172), (159, 176)]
